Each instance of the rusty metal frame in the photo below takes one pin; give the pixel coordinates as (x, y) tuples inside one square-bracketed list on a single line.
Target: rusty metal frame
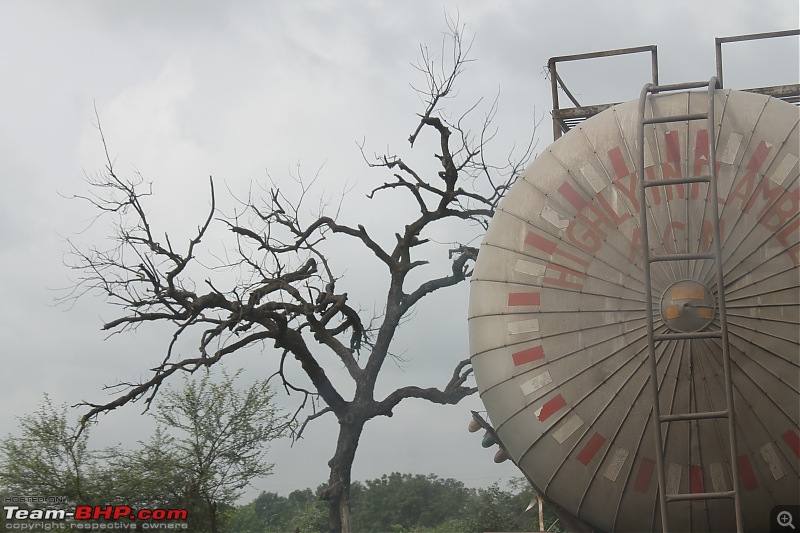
[(564, 119)]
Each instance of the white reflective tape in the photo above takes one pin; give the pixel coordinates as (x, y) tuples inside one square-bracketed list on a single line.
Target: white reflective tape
[(532, 385), (523, 326), (618, 204), (553, 217), (731, 148), (530, 268), (593, 177), (772, 460), (779, 176), (673, 478), (567, 428), (718, 477), (616, 463)]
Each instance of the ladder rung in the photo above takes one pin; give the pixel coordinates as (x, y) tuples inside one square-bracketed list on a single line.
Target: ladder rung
[(694, 416), (679, 257), (677, 86), (679, 336), (699, 496), (675, 118), (677, 181)]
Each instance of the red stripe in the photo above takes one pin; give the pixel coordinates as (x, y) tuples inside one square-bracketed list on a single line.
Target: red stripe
[(550, 407), (643, 476), (539, 242), (701, 146), (571, 257), (618, 162), (758, 157), (673, 146), (528, 356), (591, 448), (695, 479), (791, 438), (523, 298), (746, 473), (573, 197)]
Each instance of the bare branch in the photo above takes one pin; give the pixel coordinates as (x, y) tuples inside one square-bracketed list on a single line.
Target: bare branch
[(299, 433), (452, 393)]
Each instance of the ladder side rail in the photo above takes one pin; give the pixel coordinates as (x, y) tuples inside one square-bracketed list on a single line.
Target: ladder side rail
[(723, 317), (652, 363)]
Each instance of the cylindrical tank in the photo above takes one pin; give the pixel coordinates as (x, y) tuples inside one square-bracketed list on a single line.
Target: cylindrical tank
[(557, 320)]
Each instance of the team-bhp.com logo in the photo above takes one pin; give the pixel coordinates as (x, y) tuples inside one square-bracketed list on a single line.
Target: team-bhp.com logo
[(93, 517)]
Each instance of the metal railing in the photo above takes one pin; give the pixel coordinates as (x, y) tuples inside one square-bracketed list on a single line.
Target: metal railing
[(565, 119), (790, 92)]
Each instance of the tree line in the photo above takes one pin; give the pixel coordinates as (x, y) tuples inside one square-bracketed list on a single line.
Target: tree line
[(400, 503), (210, 443)]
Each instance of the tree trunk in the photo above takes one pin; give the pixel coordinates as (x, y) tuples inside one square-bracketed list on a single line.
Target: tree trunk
[(338, 491), (212, 510)]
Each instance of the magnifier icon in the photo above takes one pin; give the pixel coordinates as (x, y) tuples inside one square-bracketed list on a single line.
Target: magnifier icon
[(785, 519)]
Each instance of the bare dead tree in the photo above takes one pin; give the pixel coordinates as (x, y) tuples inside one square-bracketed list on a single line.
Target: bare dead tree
[(289, 295)]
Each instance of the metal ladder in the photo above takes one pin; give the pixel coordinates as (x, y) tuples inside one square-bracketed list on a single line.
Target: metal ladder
[(722, 334)]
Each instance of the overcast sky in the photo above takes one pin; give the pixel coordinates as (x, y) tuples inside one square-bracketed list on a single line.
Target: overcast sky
[(188, 89)]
